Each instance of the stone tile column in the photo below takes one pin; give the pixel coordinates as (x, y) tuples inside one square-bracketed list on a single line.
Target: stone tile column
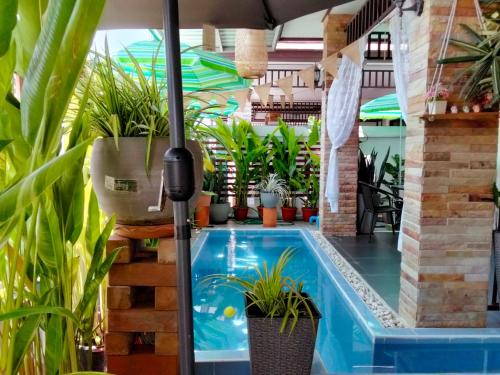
[(449, 170), (342, 223)]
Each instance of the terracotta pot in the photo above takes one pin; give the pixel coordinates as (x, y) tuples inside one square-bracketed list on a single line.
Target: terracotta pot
[(261, 211), (240, 213), (288, 213), (202, 216), (308, 212), (270, 217), (124, 187), (204, 200)]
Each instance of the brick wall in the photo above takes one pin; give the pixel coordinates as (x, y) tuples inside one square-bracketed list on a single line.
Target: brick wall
[(342, 223), (450, 166)]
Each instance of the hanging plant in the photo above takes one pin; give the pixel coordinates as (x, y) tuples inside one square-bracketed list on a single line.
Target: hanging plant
[(483, 75)]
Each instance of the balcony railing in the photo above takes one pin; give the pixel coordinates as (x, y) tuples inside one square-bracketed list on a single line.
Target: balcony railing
[(272, 75), (368, 16), (378, 79), (298, 114)]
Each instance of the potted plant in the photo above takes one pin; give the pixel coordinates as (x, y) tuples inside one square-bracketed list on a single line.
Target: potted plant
[(272, 190), (130, 117), (279, 317), (311, 191), (311, 170), (244, 148), (483, 52), (287, 148), (437, 100), (219, 209)]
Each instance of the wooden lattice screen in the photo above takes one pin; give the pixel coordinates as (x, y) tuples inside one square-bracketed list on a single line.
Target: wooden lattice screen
[(219, 152)]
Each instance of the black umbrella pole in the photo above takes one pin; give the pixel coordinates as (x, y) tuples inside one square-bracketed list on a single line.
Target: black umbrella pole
[(179, 185), (185, 315)]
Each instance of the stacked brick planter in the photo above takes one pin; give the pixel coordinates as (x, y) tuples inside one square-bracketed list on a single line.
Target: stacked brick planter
[(142, 303)]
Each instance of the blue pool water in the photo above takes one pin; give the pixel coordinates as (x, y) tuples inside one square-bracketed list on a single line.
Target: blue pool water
[(350, 338), (341, 343)]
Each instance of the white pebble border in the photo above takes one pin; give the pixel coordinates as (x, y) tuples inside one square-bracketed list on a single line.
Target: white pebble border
[(387, 317)]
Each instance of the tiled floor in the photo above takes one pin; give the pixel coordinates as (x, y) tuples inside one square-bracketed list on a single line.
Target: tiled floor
[(377, 261)]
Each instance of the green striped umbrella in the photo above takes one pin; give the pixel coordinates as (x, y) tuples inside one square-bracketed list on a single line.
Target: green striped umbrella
[(201, 70), (383, 108)]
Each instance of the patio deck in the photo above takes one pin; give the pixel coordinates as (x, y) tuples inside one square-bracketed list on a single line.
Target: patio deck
[(378, 261)]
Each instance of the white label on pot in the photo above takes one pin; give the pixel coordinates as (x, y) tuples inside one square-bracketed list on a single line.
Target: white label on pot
[(116, 184)]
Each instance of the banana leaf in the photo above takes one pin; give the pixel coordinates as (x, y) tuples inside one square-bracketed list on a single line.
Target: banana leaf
[(8, 20)]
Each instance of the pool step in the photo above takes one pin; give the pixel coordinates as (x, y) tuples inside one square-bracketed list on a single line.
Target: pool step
[(142, 302)]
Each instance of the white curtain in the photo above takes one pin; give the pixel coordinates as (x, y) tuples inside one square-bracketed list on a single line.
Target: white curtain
[(342, 112), (400, 59)]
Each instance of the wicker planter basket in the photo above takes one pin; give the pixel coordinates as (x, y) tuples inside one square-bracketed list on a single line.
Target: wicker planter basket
[(275, 353)]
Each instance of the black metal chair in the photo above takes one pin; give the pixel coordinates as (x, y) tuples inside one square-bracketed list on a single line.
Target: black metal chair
[(378, 201)]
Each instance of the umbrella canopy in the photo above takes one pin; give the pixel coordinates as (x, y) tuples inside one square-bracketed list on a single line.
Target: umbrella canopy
[(383, 108), (201, 70), (251, 14)]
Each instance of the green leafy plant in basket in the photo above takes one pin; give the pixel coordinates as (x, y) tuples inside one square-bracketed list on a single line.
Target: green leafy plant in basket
[(279, 314), (275, 295)]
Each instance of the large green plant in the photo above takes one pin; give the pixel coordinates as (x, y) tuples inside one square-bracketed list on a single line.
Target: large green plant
[(287, 147), (483, 75), (243, 147), (122, 105), (275, 295), (42, 194), (311, 169)]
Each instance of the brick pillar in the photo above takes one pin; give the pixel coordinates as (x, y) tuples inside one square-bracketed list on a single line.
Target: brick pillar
[(450, 166), (342, 223)]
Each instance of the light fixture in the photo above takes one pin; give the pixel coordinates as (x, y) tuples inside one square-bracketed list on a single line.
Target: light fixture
[(250, 53), (418, 7)]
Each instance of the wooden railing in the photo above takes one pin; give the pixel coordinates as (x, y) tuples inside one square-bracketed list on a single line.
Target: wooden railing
[(298, 114), (272, 75), (378, 79), (368, 16)]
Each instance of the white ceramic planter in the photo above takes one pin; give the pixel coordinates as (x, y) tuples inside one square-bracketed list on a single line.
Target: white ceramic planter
[(437, 107)]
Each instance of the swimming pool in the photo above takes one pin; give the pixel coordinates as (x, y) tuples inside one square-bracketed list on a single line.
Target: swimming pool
[(350, 338)]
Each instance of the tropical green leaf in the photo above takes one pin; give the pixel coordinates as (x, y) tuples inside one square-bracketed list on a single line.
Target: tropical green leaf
[(8, 19), (22, 341), (21, 195), (93, 226), (25, 312), (4, 143), (7, 66), (69, 62), (92, 286), (53, 344), (42, 65), (27, 31), (49, 241)]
